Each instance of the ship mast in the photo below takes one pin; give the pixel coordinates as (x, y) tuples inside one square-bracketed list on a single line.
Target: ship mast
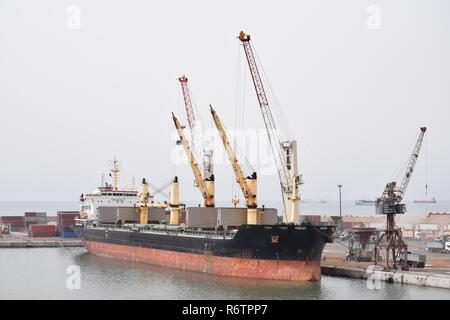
[(115, 171)]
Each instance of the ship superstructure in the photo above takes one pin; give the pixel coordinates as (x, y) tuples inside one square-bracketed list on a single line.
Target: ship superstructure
[(108, 195)]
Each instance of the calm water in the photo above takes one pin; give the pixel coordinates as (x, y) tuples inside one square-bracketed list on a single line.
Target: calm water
[(41, 274), (330, 208)]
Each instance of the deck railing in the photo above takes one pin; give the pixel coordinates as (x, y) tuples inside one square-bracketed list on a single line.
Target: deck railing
[(162, 229)]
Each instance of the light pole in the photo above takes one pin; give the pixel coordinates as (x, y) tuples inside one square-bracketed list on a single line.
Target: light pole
[(340, 206)]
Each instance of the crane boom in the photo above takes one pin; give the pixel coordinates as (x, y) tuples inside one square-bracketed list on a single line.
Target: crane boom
[(411, 163), (247, 184), (187, 102), (389, 202), (195, 134), (206, 186), (285, 152)]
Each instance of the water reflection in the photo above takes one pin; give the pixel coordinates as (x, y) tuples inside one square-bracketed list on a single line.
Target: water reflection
[(41, 274)]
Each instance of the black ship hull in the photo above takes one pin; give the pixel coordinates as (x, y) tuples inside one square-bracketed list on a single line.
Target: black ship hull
[(288, 252)]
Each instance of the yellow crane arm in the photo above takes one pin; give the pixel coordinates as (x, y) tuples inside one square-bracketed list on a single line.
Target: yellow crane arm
[(208, 197), (247, 185)]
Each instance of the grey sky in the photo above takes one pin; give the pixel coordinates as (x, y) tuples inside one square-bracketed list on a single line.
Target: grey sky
[(72, 99)]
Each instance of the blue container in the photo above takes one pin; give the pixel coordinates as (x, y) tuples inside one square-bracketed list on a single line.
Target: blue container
[(67, 233)]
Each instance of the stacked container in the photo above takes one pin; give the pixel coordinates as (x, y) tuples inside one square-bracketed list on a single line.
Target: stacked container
[(42, 230), (17, 223), (311, 218), (32, 218), (66, 219)]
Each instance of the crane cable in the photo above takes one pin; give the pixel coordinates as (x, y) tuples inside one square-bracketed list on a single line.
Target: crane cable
[(196, 144), (245, 163), (280, 115), (426, 167), (275, 109), (192, 146), (401, 166), (234, 193)]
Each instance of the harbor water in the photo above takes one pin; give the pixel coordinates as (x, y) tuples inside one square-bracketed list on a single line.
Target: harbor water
[(73, 273)]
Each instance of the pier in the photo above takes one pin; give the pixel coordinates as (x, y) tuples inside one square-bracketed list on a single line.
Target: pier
[(436, 272), (19, 240)]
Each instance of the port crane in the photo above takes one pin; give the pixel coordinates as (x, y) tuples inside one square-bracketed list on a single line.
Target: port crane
[(193, 128), (246, 183), (390, 204), (205, 184), (284, 151)]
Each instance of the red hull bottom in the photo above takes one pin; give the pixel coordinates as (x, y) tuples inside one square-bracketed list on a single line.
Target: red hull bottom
[(223, 266)]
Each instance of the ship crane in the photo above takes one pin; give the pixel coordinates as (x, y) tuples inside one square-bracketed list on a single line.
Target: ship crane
[(246, 183), (193, 128), (390, 204), (284, 151), (205, 184)]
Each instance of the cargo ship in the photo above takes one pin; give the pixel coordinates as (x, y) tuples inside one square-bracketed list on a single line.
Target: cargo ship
[(213, 240), (313, 201), (365, 202), (432, 200), (281, 252)]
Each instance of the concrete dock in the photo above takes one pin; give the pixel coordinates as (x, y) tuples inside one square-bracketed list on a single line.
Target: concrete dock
[(19, 240), (435, 274), (427, 279)]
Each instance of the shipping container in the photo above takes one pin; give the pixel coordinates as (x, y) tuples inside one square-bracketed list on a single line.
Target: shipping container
[(408, 234), (42, 227), (17, 229), (43, 230), (66, 218), (155, 215), (65, 233), (16, 223), (311, 218), (406, 226), (35, 214), (128, 215), (6, 219), (428, 227), (269, 216), (201, 217), (115, 214), (226, 216), (231, 217), (435, 246)]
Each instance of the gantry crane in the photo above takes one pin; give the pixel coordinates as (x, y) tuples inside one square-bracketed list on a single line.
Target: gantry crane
[(205, 184), (390, 204), (207, 164), (284, 151), (246, 183)]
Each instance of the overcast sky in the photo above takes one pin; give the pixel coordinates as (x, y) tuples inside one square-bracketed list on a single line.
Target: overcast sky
[(356, 82)]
